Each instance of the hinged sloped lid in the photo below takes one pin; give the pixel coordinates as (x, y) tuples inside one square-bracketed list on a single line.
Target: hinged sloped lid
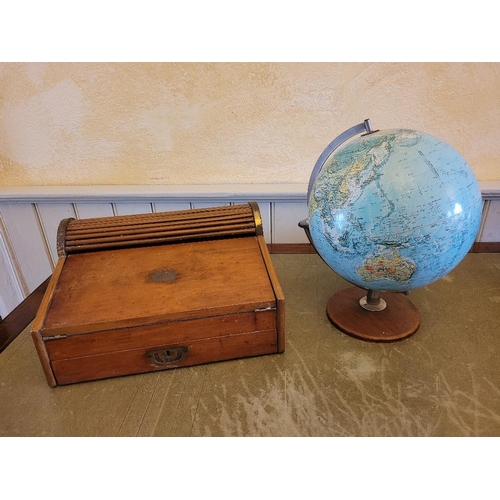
[(137, 286)]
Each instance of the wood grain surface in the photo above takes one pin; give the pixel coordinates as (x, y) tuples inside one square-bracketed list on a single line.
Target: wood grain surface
[(157, 228), (398, 320), (137, 361), (153, 335), (137, 286)]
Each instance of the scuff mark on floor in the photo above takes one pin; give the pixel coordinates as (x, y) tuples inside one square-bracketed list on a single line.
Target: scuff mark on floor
[(364, 403)]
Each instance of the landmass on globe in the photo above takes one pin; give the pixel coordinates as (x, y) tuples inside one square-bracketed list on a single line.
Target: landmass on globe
[(387, 267)]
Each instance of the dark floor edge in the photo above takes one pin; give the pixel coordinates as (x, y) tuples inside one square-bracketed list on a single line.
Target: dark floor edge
[(478, 247), (291, 248), (486, 247), (15, 322)]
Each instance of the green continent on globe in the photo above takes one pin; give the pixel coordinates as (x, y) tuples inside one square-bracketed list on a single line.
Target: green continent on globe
[(390, 267)]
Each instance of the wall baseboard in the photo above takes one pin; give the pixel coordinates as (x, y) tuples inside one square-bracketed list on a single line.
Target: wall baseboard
[(307, 248), (486, 247), (291, 248)]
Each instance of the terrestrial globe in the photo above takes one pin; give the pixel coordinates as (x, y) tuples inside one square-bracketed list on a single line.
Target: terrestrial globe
[(392, 210)]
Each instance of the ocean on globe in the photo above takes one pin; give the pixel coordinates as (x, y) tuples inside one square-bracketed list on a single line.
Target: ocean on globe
[(394, 210)]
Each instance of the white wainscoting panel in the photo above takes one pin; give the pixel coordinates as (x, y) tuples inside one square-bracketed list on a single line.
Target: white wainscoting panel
[(286, 217), (265, 209), (25, 234), (51, 215), (11, 292), (205, 204), (89, 210), (132, 208), (170, 207), (491, 223)]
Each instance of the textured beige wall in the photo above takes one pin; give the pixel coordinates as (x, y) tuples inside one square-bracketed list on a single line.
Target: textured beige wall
[(227, 123)]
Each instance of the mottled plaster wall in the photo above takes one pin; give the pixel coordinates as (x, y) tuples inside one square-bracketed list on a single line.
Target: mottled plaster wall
[(213, 123)]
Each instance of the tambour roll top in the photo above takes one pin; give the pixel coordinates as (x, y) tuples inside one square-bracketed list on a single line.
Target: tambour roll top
[(126, 231)]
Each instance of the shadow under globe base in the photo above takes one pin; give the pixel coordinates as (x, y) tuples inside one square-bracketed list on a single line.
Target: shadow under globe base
[(398, 320)]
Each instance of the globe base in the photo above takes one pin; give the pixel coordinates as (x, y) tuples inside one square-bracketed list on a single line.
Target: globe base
[(397, 321)]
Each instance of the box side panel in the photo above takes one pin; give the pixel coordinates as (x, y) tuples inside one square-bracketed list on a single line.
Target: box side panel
[(44, 358), (39, 321), (169, 356), (37, 326), (278, 292), (153, 335)]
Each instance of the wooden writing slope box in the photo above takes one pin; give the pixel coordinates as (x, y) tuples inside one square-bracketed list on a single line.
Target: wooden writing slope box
[(141, 293)]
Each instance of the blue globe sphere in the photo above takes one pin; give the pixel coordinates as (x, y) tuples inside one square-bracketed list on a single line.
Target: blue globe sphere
[(394, 210)]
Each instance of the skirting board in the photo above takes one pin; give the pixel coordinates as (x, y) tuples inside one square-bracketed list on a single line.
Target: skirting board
[(30, 215), (477, 247), (486, 247)]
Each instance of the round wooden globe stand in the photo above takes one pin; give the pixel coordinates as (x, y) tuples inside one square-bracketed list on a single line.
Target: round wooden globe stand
[(373, 315)]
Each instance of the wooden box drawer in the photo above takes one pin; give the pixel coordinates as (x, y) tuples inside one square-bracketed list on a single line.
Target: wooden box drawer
[(174, 333), (173, 355)]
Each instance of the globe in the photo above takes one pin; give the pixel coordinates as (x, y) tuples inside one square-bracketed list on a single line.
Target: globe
[(394, 210)]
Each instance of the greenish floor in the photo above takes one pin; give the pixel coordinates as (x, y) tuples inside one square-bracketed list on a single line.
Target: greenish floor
[(442, 381)]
